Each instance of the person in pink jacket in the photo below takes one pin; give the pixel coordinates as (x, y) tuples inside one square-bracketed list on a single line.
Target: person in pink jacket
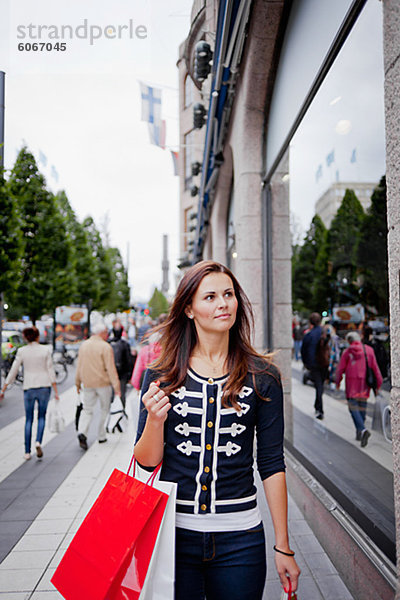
[(147, 354), (353, 365)]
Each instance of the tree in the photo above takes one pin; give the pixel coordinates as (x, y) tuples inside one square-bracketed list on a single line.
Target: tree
[(83, 264), (321, 284), (45, 278), (10, 241), (343, 239), (158, 304), (103, 265), (119, 293), (372, 252), (304, 260)]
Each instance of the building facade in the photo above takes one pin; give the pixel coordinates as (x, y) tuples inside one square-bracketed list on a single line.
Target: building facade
[(327, 205), (298, 90)]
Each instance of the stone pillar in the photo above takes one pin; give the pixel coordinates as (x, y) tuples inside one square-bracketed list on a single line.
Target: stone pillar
[(391, 42), (282, 281)]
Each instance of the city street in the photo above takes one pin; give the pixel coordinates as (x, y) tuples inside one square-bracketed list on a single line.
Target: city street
[(42, 504)]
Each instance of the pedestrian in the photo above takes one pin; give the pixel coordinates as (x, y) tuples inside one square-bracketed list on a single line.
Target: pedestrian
[(297, 339), (334, 354), (310, 356), (202, 402), (132, 333), (353, 364), (122, 358), (142, 329), (149, 351), (376, 344), (39, 377), (96, 371)]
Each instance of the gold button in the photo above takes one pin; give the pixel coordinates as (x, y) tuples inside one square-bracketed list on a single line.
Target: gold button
[(208, 447), (211, 400), (204, 488), (203, 507), (210, 424), (206, 469), (211, 380)]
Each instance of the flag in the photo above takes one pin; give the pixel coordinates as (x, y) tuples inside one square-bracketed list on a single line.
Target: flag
[(330, 158), (157, 134), (151, 104), (318, 173), (54, 173), (42, 158), (337, 175), (353, 157), (175, 159)]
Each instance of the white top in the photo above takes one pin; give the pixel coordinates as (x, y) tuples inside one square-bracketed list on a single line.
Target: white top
[(38, 366), (240, 521)]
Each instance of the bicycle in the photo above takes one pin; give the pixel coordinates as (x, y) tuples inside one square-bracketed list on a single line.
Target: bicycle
[(61, 371), (6, 365)]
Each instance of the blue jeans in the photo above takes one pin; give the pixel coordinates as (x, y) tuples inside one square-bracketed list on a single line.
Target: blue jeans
[(297, 349), (318, 376), (42, 395), (227, 565), (358, 411)]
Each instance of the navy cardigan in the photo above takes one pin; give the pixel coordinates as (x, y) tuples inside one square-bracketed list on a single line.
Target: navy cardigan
[(208, 449)]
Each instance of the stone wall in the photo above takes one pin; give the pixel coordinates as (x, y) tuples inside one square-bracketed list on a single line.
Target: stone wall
[(391, 16)]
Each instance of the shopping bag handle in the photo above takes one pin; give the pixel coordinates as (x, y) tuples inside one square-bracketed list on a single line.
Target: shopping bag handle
[(152, 477)]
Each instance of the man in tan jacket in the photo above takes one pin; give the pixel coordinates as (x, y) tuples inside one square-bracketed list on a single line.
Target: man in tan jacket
[(96, 371)]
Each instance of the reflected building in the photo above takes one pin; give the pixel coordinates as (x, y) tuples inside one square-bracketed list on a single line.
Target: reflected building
[(297, 89), (328, 204)]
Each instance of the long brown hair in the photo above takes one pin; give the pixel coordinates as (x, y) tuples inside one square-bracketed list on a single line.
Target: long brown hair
[(179, 336)]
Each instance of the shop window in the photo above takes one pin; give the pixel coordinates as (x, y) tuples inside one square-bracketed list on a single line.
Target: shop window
[(338, 154)]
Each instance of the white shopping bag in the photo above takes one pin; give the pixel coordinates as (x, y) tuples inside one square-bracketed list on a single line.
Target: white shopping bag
[(55, 418), (160, 579)]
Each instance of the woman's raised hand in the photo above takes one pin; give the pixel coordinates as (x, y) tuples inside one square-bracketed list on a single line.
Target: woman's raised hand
[(156, 402)]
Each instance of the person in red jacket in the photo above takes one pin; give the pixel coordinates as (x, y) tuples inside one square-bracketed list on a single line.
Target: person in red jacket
[(353, 365)]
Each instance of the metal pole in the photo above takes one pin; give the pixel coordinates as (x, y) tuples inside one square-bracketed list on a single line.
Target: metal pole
[(2, 102), (1, 333), (2, 107)]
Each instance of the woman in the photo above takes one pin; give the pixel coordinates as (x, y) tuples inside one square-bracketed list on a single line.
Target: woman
[(39, 376), (149, 352), (353, 365), (204, 398)]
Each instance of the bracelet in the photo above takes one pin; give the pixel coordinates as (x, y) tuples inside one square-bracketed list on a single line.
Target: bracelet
[(282, 552)]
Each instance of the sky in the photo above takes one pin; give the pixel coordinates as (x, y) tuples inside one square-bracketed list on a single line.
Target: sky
[(81, 109), (347, 114)]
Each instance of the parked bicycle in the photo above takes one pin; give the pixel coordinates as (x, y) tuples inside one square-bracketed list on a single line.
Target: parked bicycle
[(61, 371), (5, 369)]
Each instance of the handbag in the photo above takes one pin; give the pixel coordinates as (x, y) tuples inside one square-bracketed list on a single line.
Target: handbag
[(56, 419), (117, 419), (370, 378), (110, 555)]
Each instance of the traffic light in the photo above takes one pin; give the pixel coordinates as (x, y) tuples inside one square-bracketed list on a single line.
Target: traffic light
[(202, 57), (199, 113), (194, 190)]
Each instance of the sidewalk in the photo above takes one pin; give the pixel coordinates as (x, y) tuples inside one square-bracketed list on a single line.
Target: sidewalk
[(26, 571)]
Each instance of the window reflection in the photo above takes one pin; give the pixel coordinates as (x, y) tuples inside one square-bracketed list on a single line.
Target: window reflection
[(337, 164)]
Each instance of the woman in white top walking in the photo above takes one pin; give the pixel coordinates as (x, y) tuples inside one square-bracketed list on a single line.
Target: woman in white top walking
[(39, 376)]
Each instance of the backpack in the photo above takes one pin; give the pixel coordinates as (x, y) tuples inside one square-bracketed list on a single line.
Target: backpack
[(323, 351), (119, 356)]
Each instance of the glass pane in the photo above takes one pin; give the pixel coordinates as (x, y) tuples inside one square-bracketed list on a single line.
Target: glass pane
[(336, 161)]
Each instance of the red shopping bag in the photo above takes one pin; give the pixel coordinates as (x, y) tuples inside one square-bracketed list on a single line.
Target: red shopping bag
[(288, 594), (119, 533)]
